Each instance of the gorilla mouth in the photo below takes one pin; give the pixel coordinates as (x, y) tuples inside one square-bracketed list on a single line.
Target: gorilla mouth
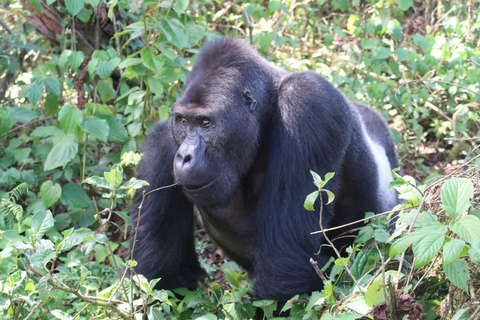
[(197, 187)]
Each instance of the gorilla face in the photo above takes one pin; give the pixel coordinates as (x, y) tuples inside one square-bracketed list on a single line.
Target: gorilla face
[(214, 153)]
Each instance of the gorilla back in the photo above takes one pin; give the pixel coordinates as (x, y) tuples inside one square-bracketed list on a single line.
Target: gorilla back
[(239, 145)]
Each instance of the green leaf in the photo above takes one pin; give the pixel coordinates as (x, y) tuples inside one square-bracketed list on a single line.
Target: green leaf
[(7, 120), (129, 62), (104, 69), (51, 104), (375, 293), (70, 118), (382, 54), (150, 60), (59, 314), (402, 54), (105, 88), (474, 252), (452, 250), (43, 289), (310, 200), (115, 176), (180, 6), (456, 194), (75, 59), (404, 5), (33, 92), (427, 247), (467, 228), (65, 147), (41, 222), (74, 196), (457, 273), (98, 182), (330, 195), (74, 6), (174, 31), (74, 237), (97, 128), (50, 193), (273, 5), (117, 133)]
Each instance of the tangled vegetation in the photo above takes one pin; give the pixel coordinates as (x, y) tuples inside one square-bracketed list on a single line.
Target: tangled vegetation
[(83, 81)]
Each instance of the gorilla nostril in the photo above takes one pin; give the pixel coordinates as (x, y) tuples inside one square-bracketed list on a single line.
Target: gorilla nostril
[(187, 159)]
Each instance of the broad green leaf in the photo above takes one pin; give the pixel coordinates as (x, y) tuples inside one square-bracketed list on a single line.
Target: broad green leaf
[(74, 237), (365, 234), (474, 252), (404, 5), (97, 128), (180, 6), (52, 86), (115, 176), (117, 132), (456, 194), (70, 118), (25, 115), (33, 92), (150, 60), (330, 196), (105, 69), (129, 62), (310, 200), (51, 104), (402, 244), (452, 250), (174, 31), (468, 228), (106, 91), (59, 314), (457, 273), (375, 293), (75, 59), (273, 5), (382, 54), (427, 247), (74, 196), (43, 289), (98, 182), (7, 120), (461, 314), (65, 147), (50, 193), (74, 6), (41, 222)]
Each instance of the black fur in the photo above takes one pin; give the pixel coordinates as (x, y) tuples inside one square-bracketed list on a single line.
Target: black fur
[(240, 144)]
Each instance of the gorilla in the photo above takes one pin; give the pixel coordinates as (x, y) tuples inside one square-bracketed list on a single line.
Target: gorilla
[(239, 145)]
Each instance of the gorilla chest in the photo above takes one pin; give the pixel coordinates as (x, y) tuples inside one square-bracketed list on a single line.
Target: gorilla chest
[(232, 229)]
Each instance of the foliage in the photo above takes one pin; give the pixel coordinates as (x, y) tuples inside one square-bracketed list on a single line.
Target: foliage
[(77, 101)]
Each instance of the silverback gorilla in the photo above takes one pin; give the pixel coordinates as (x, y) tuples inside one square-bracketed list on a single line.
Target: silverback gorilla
[(240, 145)]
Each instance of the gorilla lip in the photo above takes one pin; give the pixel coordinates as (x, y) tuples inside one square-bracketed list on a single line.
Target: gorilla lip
[(197, 187)]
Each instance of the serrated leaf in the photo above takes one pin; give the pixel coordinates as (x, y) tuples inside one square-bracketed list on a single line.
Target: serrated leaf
[(467, 228), (70, 118), (457, 272), (106, 91), (64, 149), (452, 250), (310, 200), (402, 244), (75, 59), (97, 128), (41, 222), (456, 194), (117, 133), (474, 252), (74, 6), (427, 247), (7, 120), (50, 193), (129, 62), (174, 31), (33, 92), (51, 104)]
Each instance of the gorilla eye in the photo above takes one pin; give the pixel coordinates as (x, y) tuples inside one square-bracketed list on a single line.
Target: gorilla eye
[(183, 120), (205, 122)]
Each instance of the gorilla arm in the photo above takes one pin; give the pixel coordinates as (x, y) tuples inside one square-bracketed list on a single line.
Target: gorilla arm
[(164, 245)]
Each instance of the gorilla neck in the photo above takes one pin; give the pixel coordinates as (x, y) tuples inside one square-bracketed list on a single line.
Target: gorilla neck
[(232, 226)]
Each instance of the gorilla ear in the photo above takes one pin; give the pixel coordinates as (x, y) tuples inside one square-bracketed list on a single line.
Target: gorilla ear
[(249, 99)]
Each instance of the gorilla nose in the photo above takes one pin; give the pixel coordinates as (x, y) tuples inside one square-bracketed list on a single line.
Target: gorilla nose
[(184, 158)]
